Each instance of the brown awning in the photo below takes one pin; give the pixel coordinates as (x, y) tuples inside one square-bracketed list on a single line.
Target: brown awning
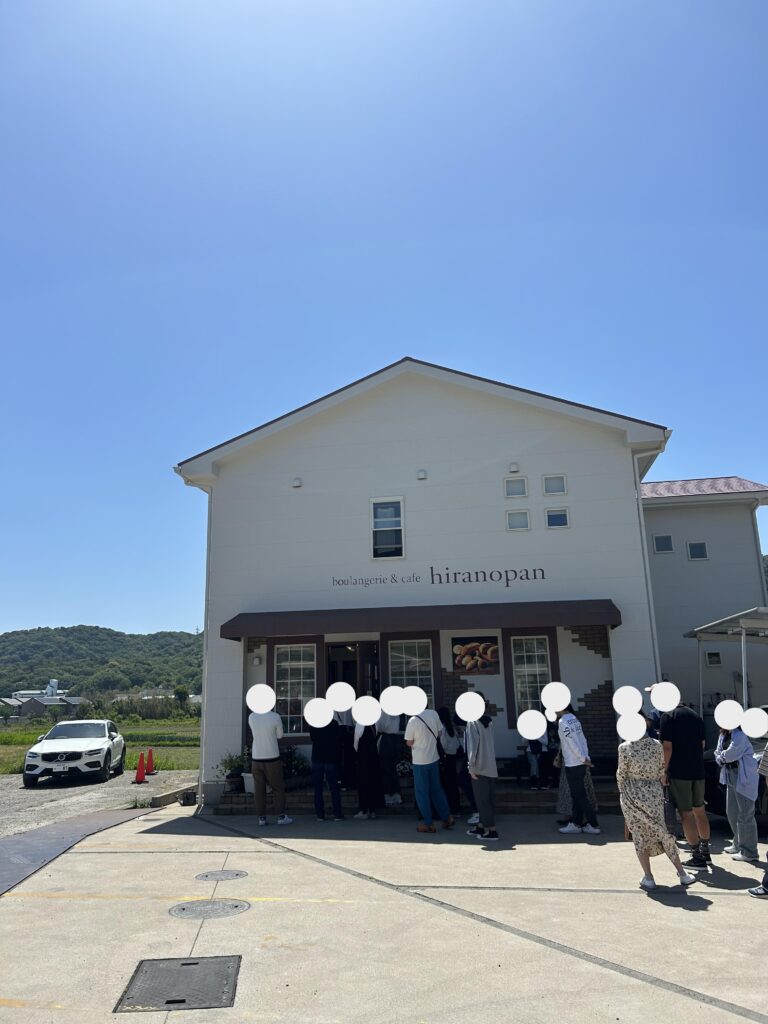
[(427, 617)]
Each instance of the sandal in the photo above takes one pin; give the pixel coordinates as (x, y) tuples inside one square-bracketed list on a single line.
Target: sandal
[(421, 827)]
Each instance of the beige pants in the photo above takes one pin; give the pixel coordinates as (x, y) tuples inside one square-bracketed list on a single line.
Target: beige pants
[(268, 773)]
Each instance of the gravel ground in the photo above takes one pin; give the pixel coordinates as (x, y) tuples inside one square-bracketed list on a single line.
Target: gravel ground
[(53, 800)]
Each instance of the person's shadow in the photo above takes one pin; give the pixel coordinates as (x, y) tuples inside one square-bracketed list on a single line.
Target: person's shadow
[(679, 899)]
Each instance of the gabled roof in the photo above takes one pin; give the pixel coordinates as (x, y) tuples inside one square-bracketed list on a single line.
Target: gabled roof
[(652, 435), (703, 488)]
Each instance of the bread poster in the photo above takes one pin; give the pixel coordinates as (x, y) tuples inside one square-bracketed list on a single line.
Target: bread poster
[(475, 655)]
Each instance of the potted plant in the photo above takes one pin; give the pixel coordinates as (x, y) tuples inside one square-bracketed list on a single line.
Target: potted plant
[(232, 767)]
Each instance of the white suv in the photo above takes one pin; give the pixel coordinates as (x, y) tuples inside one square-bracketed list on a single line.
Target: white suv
[(93, 747)]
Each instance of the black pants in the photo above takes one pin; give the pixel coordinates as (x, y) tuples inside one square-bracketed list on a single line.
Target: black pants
[(390, 747), (582, 809), (450, 782)]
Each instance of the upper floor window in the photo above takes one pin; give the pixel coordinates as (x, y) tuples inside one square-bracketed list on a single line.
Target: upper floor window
[(516, 487), (697, 551), (557, 517), (518, 520), (554, 484), (662, 542), (387, 527)]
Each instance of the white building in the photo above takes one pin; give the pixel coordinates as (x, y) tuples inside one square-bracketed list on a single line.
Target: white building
[(380, 532)]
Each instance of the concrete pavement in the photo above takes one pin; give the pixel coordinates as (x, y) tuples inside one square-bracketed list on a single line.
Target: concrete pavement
[(366, 921)]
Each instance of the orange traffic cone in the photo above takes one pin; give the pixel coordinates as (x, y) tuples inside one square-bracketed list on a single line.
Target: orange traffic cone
[(151, 770), (140, 774)]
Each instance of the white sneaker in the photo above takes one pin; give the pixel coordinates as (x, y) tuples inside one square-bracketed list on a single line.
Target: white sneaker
[(743, 857), (686, 879), (387, 800), (473, 819), (733, 848), (262, 820), (647, 883), (284, 820), (362, 815), (591, 830), (396, 799), (570, 829)]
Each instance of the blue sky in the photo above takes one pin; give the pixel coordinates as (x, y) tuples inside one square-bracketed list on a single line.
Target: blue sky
[(214, 212)]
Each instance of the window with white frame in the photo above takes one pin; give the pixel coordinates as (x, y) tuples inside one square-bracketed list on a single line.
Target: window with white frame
[(518, 520), (554, 484), (697, 551), (530, 664), (662, 542), (295, 680), (713, 659), (410, 664), (556, 518), (516, 487), (387, 527)]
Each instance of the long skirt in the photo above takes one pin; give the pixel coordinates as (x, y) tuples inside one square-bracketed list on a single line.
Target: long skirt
[(642, 804)]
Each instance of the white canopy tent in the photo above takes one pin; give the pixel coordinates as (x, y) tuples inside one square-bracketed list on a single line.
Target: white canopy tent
[(750, 625)]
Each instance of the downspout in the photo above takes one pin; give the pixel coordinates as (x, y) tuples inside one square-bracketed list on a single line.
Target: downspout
[(646, 563)]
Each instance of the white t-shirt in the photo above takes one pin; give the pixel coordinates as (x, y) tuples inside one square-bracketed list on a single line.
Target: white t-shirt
[(424, 730), (266, 730)]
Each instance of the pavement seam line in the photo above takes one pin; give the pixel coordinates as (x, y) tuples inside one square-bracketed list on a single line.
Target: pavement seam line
[(558, 947)]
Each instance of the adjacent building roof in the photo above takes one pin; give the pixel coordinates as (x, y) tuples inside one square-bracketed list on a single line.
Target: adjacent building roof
[(702, 486), (753, 622)]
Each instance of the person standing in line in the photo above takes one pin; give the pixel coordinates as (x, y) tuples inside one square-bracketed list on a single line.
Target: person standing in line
[(326, 762), (448, 777), (481, 763), (535, 753), (422, 734), (267, 768), (348, 759), (575, 755), (738, 773), (462, 774), (641, 766), (682, 737), (368, 771), (388, 729)]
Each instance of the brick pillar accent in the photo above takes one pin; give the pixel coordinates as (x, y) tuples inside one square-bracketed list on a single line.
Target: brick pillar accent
[(598, 720), (594, 638), (455, 684)]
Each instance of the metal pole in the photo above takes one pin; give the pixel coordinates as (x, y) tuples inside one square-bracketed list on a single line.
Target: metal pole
[(701, 680), (744, 686)]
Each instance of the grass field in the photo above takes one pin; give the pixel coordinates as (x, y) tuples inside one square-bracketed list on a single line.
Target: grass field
[(175, 743)]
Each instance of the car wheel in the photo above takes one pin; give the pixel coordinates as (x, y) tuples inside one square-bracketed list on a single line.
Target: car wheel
[(105, 770), (30, 781), (120, 767)]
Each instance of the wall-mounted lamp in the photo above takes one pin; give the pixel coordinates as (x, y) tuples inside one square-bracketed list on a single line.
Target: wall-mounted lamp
[(257, 659), (421, 474), (296, 481), (514, 467)]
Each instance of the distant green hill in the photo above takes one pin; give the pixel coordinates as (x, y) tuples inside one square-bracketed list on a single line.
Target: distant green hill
[(91, 659)]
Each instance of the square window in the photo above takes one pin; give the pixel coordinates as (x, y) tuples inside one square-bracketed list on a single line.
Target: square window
[(714, 659), (662, 542), (557, 517), (516, 487), (518, 520), (697, 551), (554, 484)]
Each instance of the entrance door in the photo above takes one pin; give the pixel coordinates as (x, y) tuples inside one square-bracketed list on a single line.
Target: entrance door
[(356, 663)]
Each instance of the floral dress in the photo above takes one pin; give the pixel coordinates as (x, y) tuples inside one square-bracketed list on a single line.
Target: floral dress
[(641, 764)]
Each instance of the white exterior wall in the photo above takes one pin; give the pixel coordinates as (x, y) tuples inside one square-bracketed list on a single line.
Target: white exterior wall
[(688, 593), (276, 547)]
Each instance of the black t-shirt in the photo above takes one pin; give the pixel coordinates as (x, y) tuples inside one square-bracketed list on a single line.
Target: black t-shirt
[(326, 743), (684, 729)]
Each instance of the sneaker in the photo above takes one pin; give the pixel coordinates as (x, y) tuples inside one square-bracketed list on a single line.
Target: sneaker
[(262, 820), (647, 883), (491, 836), (591, 830), (361, 815), (322, 819), (570, 829), (473, 819), (534, 789), (396, 799), (697, 862), (686, 879), (759, 892), (387, 800), (477, 832), (743, 857), (284, 820), (340, 818), (704, 850), (371, 815), (733, 848)]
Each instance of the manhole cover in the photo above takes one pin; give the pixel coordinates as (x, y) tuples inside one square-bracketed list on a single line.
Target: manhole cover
[(209, 908), (191, 983), (221, 876)]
